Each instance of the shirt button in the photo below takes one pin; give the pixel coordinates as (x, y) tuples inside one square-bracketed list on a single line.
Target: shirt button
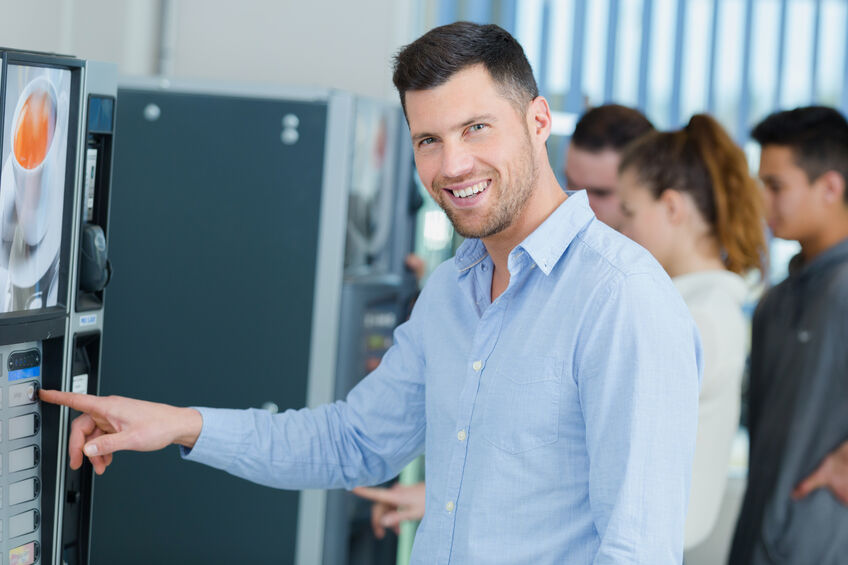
[(803, 336), (477, 365), (449, 506), (461, 435)]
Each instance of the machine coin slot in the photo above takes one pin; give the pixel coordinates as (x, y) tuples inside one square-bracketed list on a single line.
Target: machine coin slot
[(24, 523), (22, 459), (25, 554), (23, 426), (23, 393), (24, 491)]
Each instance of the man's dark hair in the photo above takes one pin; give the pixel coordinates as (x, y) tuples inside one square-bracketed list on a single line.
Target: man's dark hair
[(435, 57), (609, 127), (817, 136)]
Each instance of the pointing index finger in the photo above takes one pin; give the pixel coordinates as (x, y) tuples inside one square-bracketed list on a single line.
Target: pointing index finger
[(377, 494), (79, 402)]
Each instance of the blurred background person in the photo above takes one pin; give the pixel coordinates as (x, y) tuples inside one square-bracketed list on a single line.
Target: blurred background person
[(688, 198), (594, 153), (799, 360)]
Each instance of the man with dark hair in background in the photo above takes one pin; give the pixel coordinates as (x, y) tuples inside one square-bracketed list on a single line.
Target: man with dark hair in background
[(798, 396), (592, 158), (551, 365)]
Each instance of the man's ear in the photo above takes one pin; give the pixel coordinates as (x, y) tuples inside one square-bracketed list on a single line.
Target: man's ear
[(675, 205), (832, 185), (539, 118)]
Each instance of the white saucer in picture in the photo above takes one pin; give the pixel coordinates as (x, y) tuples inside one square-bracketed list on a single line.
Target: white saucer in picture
[(28, 264)]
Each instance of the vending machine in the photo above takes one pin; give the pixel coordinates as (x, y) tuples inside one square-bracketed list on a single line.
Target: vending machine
[(57, 117), (258, 242)]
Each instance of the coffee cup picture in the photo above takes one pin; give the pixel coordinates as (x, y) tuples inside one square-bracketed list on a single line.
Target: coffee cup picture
[(32, 185), (33, 136)]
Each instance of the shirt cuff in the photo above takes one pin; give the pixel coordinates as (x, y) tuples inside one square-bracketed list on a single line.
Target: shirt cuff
[(218, 436)]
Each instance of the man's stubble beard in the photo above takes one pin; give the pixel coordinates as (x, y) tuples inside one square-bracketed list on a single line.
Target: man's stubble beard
[(511, 201)]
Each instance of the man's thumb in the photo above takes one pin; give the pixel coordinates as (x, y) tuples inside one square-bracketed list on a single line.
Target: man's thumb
[(104, 445), (817, 479)]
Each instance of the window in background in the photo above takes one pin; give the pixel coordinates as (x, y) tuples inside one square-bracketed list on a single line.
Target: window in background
[(796, 88), (629, 39), (661, 62), (830, 74)]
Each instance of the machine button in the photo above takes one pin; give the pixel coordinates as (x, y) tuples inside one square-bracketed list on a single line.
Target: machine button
[(461, 435), (477, 365), (24, 393), (450, 506)]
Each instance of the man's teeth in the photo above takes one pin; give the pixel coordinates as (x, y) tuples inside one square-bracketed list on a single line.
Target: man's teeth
[(474, 189)]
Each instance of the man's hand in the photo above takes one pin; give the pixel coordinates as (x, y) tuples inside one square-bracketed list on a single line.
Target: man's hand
[(832, 473), (113, 423), (393, 505)]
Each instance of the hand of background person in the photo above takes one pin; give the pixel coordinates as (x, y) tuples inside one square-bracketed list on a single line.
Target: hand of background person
[(393, 505), (114, 423), (417, 265), (832, 473)]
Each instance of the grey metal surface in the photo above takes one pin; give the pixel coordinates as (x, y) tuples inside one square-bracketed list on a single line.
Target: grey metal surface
[(325, 320), (100, 79)]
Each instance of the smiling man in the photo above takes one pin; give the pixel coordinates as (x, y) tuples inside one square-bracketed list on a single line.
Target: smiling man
[(550, 371)]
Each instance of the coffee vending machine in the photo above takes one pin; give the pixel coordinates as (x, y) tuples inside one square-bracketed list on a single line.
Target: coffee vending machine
[(57, 126)]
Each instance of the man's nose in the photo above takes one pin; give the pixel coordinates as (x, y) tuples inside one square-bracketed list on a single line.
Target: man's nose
[(457, 160)]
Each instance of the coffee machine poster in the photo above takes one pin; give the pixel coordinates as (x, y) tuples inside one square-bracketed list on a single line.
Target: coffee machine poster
[(32, 185)]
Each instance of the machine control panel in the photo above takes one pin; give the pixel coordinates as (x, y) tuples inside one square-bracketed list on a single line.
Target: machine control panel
[(20, 453)]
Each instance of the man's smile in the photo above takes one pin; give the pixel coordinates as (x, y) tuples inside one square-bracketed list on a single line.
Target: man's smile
[(467, 193)]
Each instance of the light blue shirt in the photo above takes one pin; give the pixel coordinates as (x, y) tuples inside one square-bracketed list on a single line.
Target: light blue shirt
[(558, 421)]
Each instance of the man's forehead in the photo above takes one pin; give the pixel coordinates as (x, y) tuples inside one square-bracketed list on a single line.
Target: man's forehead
[(773, 157), (468, 93)]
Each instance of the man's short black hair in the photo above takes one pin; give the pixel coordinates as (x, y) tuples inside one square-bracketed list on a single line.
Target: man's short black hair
[(610, 126), (435, 57), (817, 136)]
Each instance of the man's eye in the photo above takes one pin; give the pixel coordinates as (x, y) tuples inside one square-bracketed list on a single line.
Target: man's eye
[(599, 192), (426, 141), (477, 127)]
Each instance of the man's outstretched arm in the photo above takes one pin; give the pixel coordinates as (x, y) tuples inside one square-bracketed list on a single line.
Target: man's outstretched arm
[(114, 423)]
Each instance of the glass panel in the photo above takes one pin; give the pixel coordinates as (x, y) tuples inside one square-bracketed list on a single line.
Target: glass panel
[(561, 33), (728, 64), (595, 50), (800, 24), (831, 69), (696, 58), (529, 31), (764, 47), (661, 65), (628, 45)]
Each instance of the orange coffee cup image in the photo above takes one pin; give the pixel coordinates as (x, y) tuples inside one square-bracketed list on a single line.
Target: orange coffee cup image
[(33, 138)]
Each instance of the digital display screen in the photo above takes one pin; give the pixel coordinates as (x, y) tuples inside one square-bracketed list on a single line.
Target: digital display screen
[(32, 185)]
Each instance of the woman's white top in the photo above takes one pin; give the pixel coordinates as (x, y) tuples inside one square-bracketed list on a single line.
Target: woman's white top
[(715, 299)]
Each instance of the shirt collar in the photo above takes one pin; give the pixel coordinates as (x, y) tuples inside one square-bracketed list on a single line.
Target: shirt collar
[(546, 244), (834, 255)]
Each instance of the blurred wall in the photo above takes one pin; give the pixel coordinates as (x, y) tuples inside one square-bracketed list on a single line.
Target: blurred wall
[(325, 43)]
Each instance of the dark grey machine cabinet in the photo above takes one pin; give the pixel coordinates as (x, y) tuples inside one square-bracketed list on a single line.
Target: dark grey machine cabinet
[(215, 226)]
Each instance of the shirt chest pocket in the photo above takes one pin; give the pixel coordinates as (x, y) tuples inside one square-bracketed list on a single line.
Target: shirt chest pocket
[(520, 404)]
